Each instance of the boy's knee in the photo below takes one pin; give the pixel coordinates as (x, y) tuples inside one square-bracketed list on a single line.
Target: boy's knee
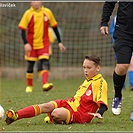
[(59, 115), (55, 113)]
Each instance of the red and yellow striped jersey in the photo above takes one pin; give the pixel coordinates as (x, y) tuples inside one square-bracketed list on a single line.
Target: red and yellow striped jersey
[(89, 95), (36, 22)]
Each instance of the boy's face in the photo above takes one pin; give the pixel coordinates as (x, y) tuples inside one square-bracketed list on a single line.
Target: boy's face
[(36, 4), (90, 70)]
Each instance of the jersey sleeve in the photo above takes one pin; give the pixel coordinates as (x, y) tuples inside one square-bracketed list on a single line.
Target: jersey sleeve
[(52, 21), (23, 24), (107, 10), (100, 92)]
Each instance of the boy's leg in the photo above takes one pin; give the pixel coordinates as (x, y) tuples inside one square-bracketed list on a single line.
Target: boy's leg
[(45, 75), (61, 115), (29, 76), (39, 69), (26, 112)]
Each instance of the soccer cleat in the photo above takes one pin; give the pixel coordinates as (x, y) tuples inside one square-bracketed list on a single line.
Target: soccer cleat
[(116, 106), (131, 116), (11, 116), (29, 89), (47, 86)]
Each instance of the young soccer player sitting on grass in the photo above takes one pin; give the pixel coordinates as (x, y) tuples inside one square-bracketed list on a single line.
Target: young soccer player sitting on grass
[(89, 101)]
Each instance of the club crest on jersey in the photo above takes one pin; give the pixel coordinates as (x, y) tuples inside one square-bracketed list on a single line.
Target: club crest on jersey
[(88, 92)]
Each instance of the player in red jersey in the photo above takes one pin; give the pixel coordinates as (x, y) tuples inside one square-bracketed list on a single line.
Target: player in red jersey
[(89, 101), (34, 30)]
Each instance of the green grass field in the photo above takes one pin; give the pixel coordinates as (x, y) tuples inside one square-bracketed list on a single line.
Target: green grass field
[(14, 97)]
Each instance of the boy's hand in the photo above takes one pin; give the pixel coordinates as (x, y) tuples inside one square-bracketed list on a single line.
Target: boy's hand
[(27, 47), (62, 47), (96, 115)]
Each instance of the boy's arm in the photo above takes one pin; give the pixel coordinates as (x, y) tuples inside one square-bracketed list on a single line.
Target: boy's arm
[(62, 47), (102, 109), (57, 34), (27, 46), (100, 112), (23, 35)]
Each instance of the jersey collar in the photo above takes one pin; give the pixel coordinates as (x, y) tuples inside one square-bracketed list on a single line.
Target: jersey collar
[(32, 9), (96, 77)]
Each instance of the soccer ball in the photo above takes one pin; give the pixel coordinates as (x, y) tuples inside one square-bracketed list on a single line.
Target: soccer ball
[(1, 112), (47, 120)]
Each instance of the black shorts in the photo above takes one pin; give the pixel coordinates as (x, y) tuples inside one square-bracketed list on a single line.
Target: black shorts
[(123, 46)]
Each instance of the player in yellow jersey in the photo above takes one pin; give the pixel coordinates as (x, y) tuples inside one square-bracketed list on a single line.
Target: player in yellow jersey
[(34, 31), (89, 101)]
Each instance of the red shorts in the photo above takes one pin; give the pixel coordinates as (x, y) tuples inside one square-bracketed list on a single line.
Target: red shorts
[(74, 117), (37, 54)]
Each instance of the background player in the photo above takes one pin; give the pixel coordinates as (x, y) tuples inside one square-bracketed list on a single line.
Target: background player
[(34, 26)]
